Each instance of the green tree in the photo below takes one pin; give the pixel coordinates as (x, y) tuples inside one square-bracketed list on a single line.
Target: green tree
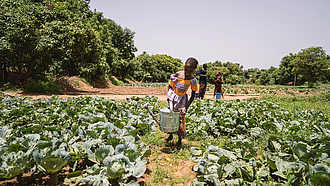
[(166, 65), (252, 74), (155, 68), (213, 71), (232, 73), (235, 74), (328, 76), (68, 38), (312, 63), (47, 35), (265, 77), (118, 45), (18, 37), (63, 37), (285, 72)]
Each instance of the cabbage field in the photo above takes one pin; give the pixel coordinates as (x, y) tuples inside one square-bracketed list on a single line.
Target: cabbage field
[(263, 144), (98, 141), (98, 138)]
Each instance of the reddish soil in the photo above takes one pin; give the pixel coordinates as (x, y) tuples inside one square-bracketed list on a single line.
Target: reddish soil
[(75, 87), (122, 92)]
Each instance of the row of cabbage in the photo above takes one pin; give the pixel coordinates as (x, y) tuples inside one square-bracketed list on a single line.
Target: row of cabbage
[(262, 144), (42, 136)]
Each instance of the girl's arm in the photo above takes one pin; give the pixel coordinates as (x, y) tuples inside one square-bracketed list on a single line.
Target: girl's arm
[(192, 97)]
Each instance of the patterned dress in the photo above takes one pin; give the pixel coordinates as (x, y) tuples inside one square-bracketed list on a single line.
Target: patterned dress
[(177, 95), (218, 82)]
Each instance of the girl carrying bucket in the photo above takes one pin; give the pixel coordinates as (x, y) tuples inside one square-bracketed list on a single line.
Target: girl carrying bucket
[(178, 85), (218, 85)]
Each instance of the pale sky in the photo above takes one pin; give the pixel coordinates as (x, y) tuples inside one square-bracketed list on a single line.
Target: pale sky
[(253, 33)]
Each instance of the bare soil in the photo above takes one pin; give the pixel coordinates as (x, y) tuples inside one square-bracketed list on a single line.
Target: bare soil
[(75, 87)]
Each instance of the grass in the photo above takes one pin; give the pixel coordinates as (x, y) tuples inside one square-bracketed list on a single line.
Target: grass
[(165, 160), (181, 180), (182, 154), (77, 83), (318, 103), (273, 89), (154, 139), (160, 174)]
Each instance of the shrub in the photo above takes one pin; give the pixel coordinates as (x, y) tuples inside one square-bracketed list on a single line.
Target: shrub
[(115, 81), (42, 87)]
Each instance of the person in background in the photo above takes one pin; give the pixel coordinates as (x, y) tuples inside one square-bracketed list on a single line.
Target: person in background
[(202, 81), (178, 86), (218, 84)]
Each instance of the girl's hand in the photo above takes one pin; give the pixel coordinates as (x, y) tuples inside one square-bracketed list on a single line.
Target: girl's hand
[(182, 110)]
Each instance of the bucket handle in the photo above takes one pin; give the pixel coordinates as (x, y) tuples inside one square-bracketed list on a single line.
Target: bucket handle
[(171, 106)]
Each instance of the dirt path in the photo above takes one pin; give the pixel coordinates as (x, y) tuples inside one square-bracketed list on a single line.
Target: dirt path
[(122, 92), (123, 97), (110, 91)]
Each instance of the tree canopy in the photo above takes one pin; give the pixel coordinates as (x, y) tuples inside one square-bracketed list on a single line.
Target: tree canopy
[(155, 68), (66, 38), (312, 63), (61, 37)]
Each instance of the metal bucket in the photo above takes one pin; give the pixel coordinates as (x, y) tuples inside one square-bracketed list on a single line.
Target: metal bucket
[(169, 121)]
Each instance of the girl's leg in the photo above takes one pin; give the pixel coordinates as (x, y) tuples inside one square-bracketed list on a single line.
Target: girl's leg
[(182, 130), (179, 142), (204, 90), (170, 137), (201, 88)]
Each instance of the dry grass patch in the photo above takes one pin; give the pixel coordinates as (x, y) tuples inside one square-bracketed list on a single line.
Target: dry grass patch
[(168, 165)]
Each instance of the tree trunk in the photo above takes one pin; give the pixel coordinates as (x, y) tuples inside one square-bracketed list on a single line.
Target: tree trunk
[(310, 81), (1, 72), (31, 69), (142, 79), (5, 72)]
